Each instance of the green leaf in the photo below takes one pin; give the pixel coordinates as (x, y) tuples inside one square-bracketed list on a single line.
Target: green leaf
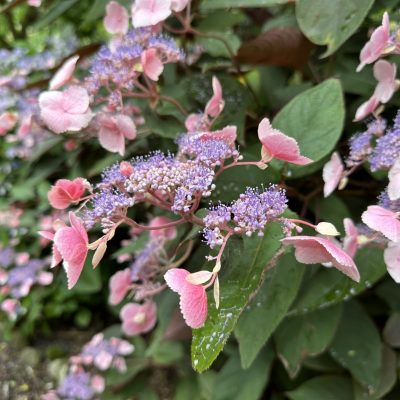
[(213, 4), (357, 346), (314, 333), (90, 279), (59, 8), (216, 47), (240, 278), (326, 387), (332, 209), (327, 22), (387, 378), (329, 286), (315, 119), (234, 383), (391, 332), (269, 307)]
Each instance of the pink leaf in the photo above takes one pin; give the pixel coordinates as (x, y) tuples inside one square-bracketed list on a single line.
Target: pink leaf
[(64, 74), (317, 250), (278, 145), (383, 221), (116, 19), (332, 173)]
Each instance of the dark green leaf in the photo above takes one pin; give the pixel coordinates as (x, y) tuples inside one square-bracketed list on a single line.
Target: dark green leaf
[(314, 333), (59, 8), (315, 119), (357, 346), (268, 308), (327, 22), (240, 278), (211, 4)]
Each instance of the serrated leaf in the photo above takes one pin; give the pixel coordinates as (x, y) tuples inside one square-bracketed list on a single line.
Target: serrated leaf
[(268, 308), (357, 346), (326, 387), (315, 119), (314, 333), (240, 277), (328, 286), (331, 23)]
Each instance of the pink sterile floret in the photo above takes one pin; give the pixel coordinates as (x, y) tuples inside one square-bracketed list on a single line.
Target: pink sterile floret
[(350, 241), (65, 111), (65, 192), (332, 174), (151, 64), (166, 233), (114, 130), (276, 144), (119, 286), (64, 74), (315, 250), (150, 12), (392, 260), (138, 318), (72, 244), (116, 20), (384, 221), (216, 103), (377, 43), (193, 298)]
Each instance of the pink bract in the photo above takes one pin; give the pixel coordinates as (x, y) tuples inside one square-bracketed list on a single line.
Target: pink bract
[(350, 241), (377, 43), (65, 192), (318, 250), (216, 103), (64, 73), (114, 130), (7, 122), (65, 111), (151, 64), (193, 298), (394, 181), (150, 12), (276, 144), (72, 243), (168, 233), (392, 260), (119, 286), (137, 318), (116, 20), (332, 174), (384, 221)]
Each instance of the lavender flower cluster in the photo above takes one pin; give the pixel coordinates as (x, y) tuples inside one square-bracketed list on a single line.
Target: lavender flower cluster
[(376, 146), (101, 353), (247, 215), (117, 64)]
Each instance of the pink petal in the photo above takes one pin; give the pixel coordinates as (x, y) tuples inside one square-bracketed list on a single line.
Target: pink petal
[(75, 100), (332, 173), (65, 192), (45, 278), (394, 181), (314, 250), (216, 103), (350, 241), (193, 122), (278, 145), (64, 74), (385, 74), (25, 126), (176, 279), (147, 314), (228, 134), (392, 260), (150, 12), (7, 122), (34, 3), (374, 48), (119, 286), (112, 140), (116, 19), (151, 63), (366, 108), (72, 243), (383, 221), (98, 383), (103, 360), (193, 304), (178, 5), (126, 126)]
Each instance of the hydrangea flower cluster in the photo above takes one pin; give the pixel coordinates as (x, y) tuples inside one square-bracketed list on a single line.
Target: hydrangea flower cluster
[(81, 382), (18, 274)]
